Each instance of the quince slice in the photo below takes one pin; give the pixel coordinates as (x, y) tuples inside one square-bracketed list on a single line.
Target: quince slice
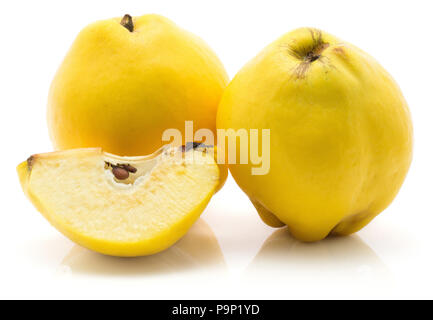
[(122, 206)]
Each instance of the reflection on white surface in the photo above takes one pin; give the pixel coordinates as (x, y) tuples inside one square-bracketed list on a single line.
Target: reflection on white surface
[(198, 249), (336, 261)]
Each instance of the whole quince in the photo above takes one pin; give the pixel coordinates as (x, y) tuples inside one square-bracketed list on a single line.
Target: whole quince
[(126, 80), (340, 134)]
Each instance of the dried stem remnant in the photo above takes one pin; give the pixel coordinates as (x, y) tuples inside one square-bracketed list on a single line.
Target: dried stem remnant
[(127, 22)]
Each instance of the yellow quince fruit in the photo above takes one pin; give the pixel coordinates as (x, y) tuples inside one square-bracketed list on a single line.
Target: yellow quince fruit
[(122, 206), (125, 81), (340, 134)]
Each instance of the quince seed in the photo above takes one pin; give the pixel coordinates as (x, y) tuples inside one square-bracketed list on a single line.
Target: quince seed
[(120, 173)]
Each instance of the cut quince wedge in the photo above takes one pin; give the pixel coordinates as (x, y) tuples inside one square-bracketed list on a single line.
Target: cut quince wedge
[(122, 206)]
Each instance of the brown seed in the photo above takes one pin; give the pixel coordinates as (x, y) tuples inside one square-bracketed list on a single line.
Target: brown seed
[(120, 173), (192, 145), (129, 168)]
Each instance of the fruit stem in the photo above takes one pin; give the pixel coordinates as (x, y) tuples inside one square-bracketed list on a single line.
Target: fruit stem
[(127, 22)]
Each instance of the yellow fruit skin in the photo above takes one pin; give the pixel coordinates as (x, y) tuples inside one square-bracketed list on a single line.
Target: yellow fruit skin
[(113, 248), (340, 133), (268, 217), (119, 90)]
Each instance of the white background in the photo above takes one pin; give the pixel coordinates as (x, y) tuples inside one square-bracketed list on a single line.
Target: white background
[(230, 253)]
